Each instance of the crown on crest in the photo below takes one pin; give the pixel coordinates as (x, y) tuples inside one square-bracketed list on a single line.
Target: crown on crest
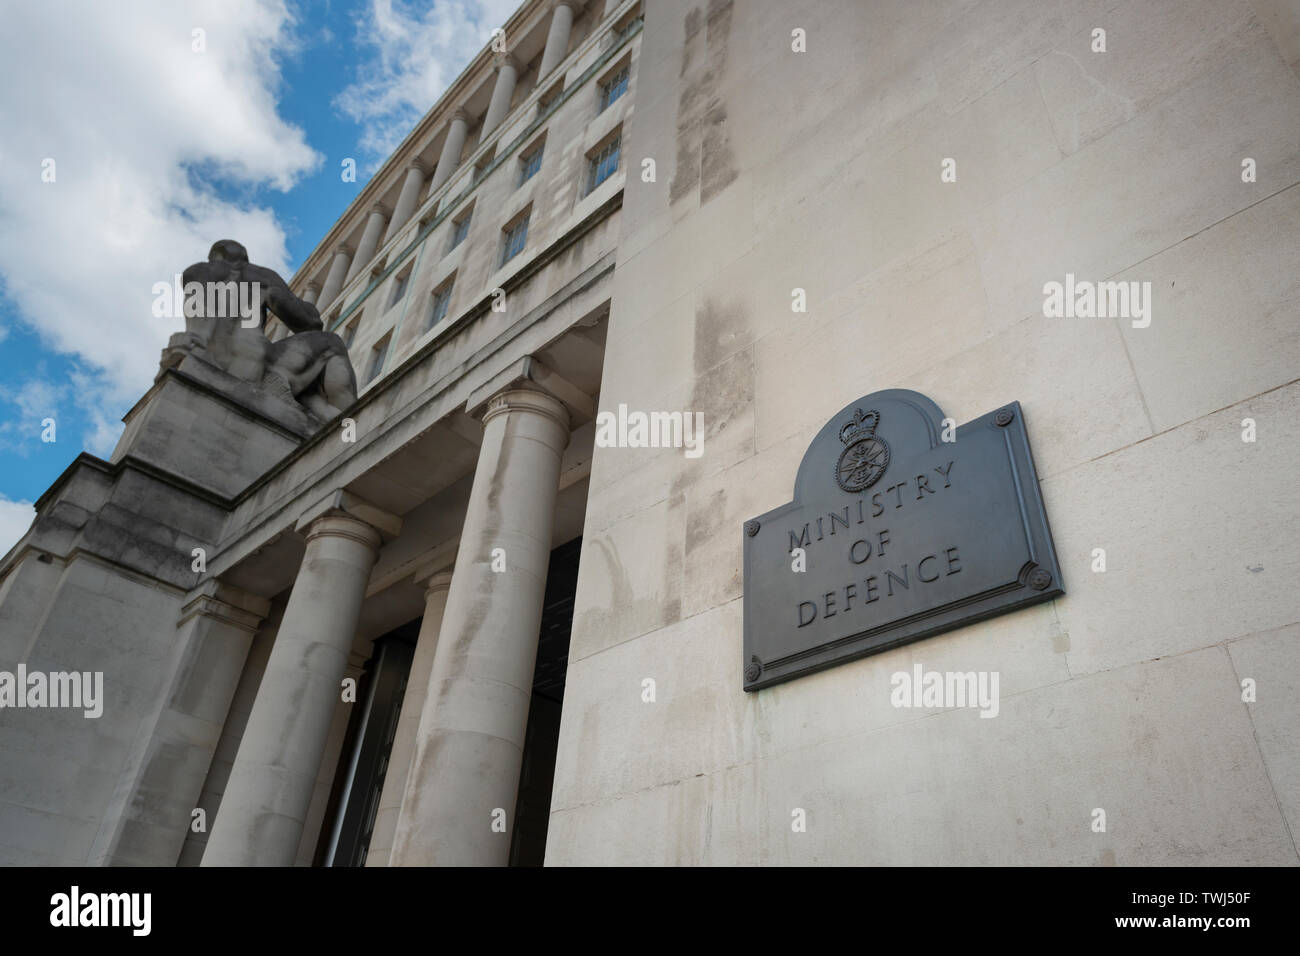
[(861, 426)]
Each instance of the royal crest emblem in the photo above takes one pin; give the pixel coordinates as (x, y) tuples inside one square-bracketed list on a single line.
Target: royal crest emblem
[(865, 456)]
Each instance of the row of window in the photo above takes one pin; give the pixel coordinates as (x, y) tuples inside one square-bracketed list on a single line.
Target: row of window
[(610, 90), (439, 302), (515, 237), (600, 167)]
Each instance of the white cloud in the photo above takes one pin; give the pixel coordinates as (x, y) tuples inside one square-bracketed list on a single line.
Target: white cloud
[(117, 97), (15, 518), (415, 56)]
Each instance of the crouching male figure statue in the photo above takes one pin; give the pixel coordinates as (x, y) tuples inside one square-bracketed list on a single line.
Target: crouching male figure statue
[(310, 366)]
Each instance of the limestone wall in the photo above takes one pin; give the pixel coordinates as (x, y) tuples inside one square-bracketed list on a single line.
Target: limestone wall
[(61, 766), (820, 171)]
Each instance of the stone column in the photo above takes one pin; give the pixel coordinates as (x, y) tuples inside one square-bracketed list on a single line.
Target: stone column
[(409, 196), (171, 758), (466, 765), (508, 70), (269, 793), (369, 240), (338, 270), (311, 292), (452, 146), (408, 721), (557, 39)]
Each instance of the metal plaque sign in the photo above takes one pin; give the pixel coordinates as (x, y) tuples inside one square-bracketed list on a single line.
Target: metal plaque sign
[(898, 530)]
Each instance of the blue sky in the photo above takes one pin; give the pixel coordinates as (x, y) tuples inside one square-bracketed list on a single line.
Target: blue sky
[(173, 124)]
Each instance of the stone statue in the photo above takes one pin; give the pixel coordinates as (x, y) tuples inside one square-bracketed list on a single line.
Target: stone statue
[(227, 300)]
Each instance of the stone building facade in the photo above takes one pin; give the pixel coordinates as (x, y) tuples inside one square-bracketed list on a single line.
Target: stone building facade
[(758, 214)]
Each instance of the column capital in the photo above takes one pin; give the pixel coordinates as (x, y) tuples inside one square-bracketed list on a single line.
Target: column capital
[(527, 400), (340, 524), (312, 286), (441, 581), (355, 508), (419, 164), (380, 208), (574, 5), (507, 59), (462, 114), (343, 249)]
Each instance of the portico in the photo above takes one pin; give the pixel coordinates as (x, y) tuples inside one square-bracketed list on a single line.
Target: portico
[(450, 533)]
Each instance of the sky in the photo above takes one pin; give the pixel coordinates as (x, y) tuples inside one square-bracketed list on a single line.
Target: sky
[(134, 135)]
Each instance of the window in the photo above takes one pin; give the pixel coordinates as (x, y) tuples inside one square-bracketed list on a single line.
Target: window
[(459, 230), (614, 87), (399, 288), (438, 306), (547, 99), (377, 357), (627, 26), (515, 238), (530, 163), (603, 164), (350, 332)]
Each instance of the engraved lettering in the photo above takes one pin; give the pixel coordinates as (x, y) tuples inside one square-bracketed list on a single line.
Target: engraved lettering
[(944, 472), (853, 551), (875, 503), (920, 569), (801, 541), (923, 484), (954, 564), (891, 577), (835, 517), (870, 582), (812, 617), (829, 598)]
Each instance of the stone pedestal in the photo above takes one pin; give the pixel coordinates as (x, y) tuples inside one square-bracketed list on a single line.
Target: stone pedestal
[(207, 427)]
